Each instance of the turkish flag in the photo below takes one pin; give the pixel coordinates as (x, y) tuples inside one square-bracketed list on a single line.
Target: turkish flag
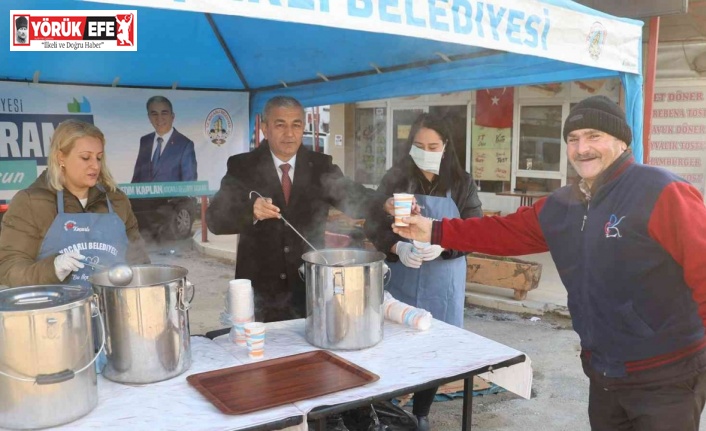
[(494, 107)]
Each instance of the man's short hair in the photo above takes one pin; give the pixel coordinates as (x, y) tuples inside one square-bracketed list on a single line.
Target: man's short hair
[(280, 102), (159, 99)]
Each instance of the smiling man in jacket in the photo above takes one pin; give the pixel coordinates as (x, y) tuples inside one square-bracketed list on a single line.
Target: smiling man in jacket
[(629, 242)]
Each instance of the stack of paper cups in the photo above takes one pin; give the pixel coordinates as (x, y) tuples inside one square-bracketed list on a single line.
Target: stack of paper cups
[(399, 312), (241, 306)]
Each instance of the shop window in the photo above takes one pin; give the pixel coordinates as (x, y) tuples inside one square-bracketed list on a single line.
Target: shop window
[(370, 145), (371, 137), (308, 141), (540, 149), (572, 177), (528, 184), (402, 120)]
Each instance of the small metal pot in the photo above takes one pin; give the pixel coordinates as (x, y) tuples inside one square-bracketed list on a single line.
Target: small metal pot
[(47, 376), (147, 324), (344, 293)]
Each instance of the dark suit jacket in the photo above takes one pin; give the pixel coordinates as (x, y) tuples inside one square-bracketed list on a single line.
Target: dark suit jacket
[(269, 252), (177, 162)]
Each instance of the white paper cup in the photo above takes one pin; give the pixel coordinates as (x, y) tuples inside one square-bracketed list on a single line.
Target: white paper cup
[(255, 339), (240, 283), (403, 207), (240, 300)]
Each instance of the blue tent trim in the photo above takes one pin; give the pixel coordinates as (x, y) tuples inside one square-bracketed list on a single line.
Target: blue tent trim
[(317, 64)]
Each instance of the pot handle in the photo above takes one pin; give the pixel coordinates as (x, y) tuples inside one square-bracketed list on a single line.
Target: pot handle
[(339, 287), (62, 376), (337, 323), (387, 276), (181, 294), (302, 272)]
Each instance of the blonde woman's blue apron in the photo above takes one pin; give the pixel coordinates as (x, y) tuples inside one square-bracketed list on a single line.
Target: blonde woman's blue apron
[(99, 237)]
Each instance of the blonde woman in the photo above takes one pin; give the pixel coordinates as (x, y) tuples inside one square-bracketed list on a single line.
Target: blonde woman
[(72, 214)]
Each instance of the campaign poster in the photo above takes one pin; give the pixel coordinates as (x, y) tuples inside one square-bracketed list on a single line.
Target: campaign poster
[(210, 126)]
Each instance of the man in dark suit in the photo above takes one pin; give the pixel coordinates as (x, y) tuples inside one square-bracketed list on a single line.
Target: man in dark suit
[(269, 252), (165, 155)]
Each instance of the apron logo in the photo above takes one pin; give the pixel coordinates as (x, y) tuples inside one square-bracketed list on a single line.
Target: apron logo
[(611, 228), (71, 226)]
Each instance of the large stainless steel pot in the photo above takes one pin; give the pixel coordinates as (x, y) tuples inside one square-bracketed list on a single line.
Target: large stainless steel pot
[(47, 376), (147, 324), (344, 292)]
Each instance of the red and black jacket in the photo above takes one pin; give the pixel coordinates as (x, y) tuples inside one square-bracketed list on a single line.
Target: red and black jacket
[(632, 259)]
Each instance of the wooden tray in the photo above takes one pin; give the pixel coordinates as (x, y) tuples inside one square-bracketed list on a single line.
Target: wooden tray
[(261, 385)]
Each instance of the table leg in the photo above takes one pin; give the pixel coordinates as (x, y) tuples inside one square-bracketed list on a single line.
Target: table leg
[(467, 404)]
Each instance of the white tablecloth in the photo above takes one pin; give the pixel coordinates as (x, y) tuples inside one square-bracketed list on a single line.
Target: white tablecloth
[(405, 357), (173, 404)]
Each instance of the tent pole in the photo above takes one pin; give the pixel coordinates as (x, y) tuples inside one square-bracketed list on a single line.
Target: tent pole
[(257, 130), (204, 226), (651, 73), (316, 129)]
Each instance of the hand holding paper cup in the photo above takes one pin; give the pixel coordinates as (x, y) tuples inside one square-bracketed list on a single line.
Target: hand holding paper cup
[(418, 228), (403, 207)]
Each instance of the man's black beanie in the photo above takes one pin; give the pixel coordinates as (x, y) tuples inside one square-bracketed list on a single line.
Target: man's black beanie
[(21, 22), (599, 113)]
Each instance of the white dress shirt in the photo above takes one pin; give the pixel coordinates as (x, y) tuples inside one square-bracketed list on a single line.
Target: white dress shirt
[(166, 138), (278, 163)]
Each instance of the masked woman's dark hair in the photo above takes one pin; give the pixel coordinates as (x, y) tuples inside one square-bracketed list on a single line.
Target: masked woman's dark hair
[(450, 171)]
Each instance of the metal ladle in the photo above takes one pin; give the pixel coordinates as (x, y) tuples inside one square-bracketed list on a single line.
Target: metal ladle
[(119, 275), (344, 261)]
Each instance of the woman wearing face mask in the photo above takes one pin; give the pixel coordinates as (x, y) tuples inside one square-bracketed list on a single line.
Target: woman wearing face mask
[(72, 214), (423, 275)]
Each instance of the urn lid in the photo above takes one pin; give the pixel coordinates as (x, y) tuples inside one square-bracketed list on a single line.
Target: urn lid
[(29, 298)]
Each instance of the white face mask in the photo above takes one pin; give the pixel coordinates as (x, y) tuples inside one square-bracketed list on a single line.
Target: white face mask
[(427, 160)]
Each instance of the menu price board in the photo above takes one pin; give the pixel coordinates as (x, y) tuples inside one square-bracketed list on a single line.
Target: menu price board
[(678, 135), (491, 149)]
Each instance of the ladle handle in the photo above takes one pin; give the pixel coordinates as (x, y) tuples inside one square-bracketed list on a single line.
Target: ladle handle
[(302, 237), (293, 228)]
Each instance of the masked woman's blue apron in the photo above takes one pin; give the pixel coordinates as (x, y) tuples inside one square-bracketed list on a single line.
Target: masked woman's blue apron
[(438, 286), (99, 237)]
